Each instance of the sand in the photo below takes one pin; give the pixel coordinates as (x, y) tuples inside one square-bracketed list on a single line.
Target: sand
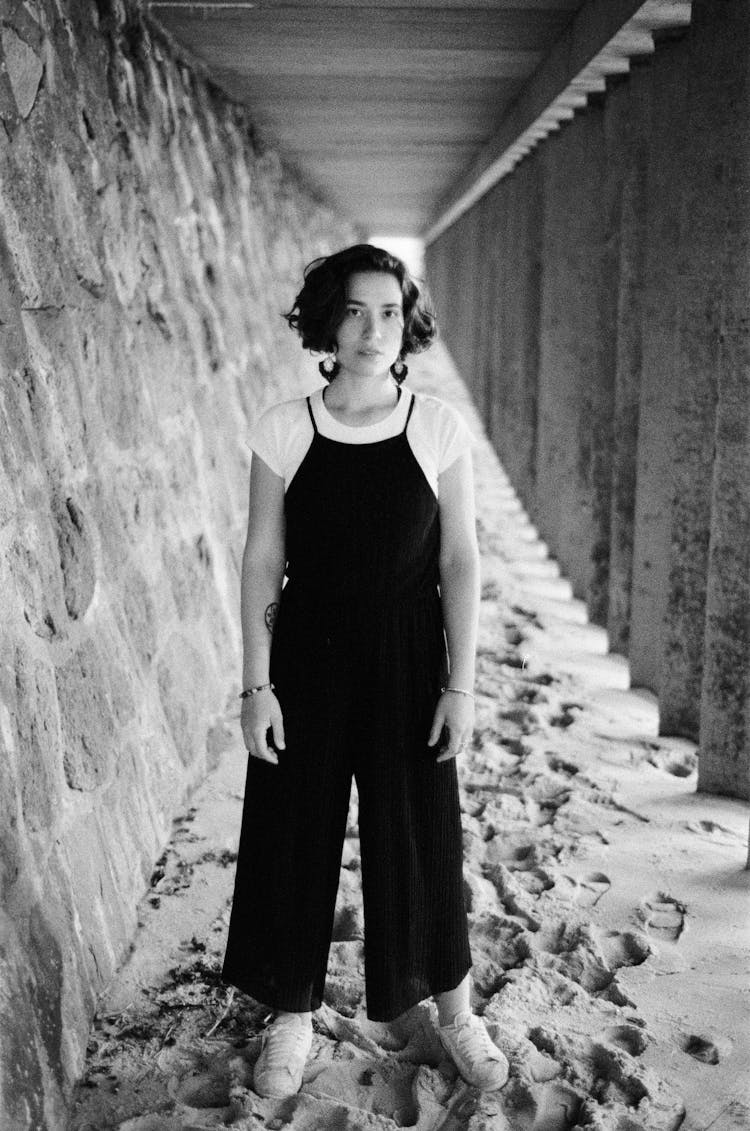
[(607, 900)]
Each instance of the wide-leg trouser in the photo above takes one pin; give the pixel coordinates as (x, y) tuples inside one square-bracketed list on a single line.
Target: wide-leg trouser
[(342, 718)]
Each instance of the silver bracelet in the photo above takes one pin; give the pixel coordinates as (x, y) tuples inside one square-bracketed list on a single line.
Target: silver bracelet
[(458, 691), (254, 690)]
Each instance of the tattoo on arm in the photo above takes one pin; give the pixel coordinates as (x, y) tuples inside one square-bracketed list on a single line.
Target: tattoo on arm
[(270, 615)]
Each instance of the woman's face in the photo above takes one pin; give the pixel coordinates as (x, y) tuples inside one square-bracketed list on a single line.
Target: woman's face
[(370, 333)]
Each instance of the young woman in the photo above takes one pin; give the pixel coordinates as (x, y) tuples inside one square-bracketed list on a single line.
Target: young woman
[(362, 495)]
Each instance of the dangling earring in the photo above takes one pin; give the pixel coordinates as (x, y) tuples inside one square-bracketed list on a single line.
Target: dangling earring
[(329, 366), (399, 370)]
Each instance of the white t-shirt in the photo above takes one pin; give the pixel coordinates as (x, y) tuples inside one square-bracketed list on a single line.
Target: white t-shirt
[(437, 434)]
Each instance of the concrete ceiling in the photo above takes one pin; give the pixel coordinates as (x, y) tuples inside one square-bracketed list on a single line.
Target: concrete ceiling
[(392, 111)]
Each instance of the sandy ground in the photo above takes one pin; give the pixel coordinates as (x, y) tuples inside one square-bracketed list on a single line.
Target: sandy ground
[(607, 903)]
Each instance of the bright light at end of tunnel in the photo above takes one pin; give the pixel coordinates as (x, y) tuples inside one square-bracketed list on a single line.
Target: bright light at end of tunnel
[(410, 249)]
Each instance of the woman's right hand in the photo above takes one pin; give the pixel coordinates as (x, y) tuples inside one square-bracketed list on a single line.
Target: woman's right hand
[(261, 712)]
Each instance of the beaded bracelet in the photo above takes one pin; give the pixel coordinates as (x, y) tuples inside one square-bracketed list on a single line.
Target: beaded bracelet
[(254, 690), (458, 691)]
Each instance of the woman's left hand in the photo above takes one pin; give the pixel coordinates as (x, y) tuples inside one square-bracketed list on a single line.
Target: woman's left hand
[(455, 712)]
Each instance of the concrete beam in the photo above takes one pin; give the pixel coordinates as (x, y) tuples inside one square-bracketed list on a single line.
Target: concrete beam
[(599, 41)]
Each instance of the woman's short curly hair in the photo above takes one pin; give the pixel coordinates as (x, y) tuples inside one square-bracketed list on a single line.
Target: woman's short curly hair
[(320, 306)]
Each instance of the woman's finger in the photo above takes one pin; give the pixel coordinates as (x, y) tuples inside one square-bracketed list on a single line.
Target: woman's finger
[(261, 747), (437, 725), (277, 727), (456, 745)]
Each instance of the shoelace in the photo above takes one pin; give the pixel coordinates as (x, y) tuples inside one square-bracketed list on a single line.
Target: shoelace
[(473, 1041), (284, 1042)]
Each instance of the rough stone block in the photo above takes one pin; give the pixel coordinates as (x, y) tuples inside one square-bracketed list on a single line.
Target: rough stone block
[(140, 614), (35, 578), (95, 700), (24, 69), (76, 556), (32, 248), (12, 844), (31, 1063), (38, 741), (185, 696), (74, 223), (103, 894)]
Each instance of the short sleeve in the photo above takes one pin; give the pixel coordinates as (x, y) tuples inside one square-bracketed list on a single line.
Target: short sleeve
[(454, 438), (266, 439)]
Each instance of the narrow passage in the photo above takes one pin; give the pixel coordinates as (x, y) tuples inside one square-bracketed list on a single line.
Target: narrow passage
[(609, 928)]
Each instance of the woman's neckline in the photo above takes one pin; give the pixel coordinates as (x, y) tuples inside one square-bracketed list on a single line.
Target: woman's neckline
[(335, 423)]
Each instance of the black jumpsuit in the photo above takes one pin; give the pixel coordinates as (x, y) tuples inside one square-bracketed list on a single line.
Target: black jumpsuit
[(358, 659)]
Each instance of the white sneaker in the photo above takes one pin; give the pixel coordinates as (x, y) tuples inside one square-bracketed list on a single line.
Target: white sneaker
[(474, 1053), (286, 1044)]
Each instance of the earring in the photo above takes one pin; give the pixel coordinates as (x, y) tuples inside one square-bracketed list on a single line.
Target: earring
[(399, 370), (329, 367)]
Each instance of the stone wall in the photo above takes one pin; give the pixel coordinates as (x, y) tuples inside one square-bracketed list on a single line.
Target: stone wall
[(614, 376), (147, 249)]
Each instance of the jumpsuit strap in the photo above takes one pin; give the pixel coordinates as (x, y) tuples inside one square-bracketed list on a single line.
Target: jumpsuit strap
[(309, 409), (408, 415)]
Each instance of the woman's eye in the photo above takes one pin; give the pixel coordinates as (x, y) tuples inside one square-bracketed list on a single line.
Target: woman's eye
[(353, 311)]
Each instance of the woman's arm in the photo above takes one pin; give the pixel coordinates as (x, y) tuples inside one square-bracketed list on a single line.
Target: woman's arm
[(263, 564), (459, 587)]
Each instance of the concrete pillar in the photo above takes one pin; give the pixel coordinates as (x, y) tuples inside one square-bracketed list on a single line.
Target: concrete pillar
[(459, 277), (437, 275), (484, 274), (574, 440), (627, 138), (451, 262), (660, 372), (460, 293), (484, 286), (498, 414), (495, 248), (513, 421), (718, 213)]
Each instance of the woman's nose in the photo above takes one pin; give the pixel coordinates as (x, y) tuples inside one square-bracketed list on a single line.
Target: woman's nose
[(371, 329)]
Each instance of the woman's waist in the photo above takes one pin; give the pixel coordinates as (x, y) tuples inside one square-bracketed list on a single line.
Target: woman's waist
[(314, 620), (339, 599)]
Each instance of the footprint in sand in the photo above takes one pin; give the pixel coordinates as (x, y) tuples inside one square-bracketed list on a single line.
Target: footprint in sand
[(629, 1038), (527, 614), (536, 881), (204, 1091), (586, 891), (663, 916), (560, 765), (701, 1048), (714, 831), (624, 949), (681, 763), (523, 716), (529, 694), (557, 1108), (568, 715)]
